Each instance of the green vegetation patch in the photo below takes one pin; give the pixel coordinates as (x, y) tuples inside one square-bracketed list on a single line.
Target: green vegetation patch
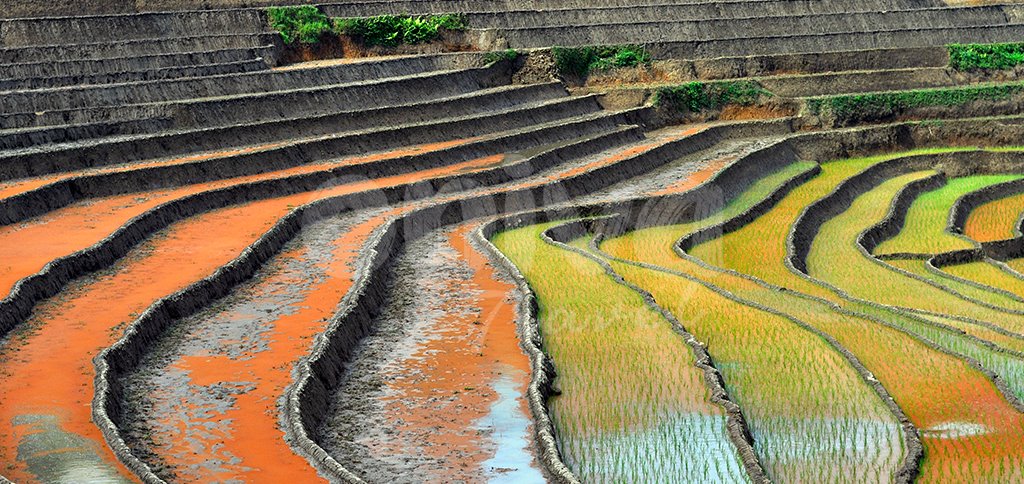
[(305, 24), (393, 30), (856, 107), (581, 61), (924, 230), (968, 57), (501, 55), (702, 96)]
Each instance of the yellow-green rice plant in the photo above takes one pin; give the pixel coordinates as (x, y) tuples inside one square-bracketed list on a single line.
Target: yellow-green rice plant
[(632, 401), (835, 258), (996, 220), (916, 375), (924, 231), (987, 272)]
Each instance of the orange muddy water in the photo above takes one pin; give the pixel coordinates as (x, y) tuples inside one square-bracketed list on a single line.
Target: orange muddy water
[(704, 174), (46, 372), (457, 394), (28, 246), (248, 351)]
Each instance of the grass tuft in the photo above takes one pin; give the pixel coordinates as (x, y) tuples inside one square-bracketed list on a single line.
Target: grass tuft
[(969, 57), (700, 96), (581, 61), (851, 108), (305, 24), (510, 55), (394, 30)]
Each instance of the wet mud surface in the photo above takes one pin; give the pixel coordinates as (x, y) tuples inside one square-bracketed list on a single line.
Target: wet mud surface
[(435, 393), (65, 333), (205, 403), (682, 174), (31, 244)]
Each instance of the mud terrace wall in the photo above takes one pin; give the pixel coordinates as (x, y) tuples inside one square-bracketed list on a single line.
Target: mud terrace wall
[(834, 42), (81, 30), (401, 80), (294, 81), (154, 138), (543, 370), (30, 8), (515, 136), (764, 24), (48, 282), (766, 65)]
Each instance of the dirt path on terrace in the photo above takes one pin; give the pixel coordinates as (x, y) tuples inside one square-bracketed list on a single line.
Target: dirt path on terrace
[(683, 174), (436, 393), (206, 403)]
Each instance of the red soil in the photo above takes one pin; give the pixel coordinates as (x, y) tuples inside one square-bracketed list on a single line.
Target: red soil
[(249, 430), (698, 177), (15, 187), (665, 137), (48, 369), (437, 394), (28, 246)]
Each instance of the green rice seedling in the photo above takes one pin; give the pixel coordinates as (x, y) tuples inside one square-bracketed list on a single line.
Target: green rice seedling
[(941, 394), (700, 96), (918, 267), (747, 249), (632, 401), (835, 258), (924, 231), (968, 57), (987, 272), (864, 444), (995, 220), (305, 24), (759, 249), (394, 30), (812, 417)]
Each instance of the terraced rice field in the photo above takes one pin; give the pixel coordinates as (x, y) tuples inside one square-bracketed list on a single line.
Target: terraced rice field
[(415, 241)]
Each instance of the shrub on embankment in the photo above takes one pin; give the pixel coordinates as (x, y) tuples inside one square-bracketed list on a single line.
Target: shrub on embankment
[(968, 57), (304, 23), (844, 110), (308, 25), (394, 30), (697, 96), (578, 62), (510, 55)]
